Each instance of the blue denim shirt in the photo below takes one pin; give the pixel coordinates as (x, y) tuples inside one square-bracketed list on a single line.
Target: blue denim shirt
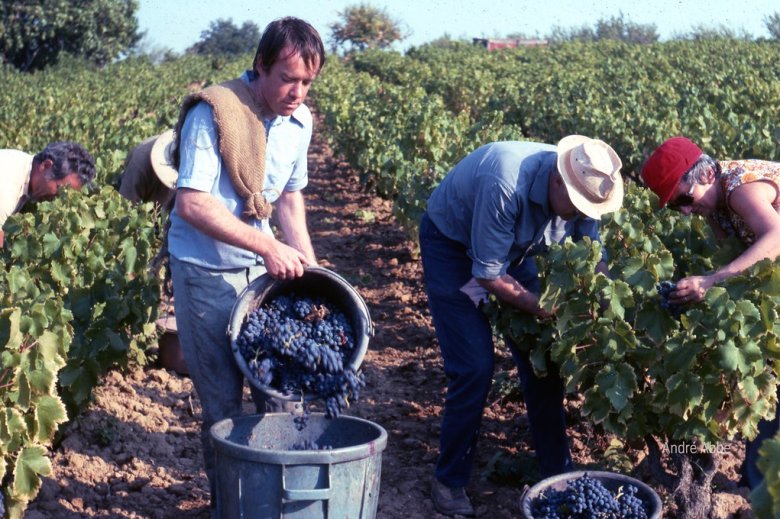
[(201, 168), (495, 202)]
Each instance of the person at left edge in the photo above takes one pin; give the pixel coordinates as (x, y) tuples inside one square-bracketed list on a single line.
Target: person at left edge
[(25, 177), (496, 209), (241, 149)]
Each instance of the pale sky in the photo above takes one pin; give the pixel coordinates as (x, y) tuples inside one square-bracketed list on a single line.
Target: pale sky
[(177, 24)]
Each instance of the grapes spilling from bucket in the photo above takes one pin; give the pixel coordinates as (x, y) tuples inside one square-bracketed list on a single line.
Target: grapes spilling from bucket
[(665, 288), (585, 498), (302, 345)]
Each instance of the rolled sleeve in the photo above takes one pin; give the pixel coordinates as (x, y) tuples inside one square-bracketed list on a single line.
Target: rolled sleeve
[(492, 232), (199, 162)]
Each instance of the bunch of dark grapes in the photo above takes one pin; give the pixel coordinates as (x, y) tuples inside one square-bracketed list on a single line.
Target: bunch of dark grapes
[(308, 445), (665, 288), (300, 345), (301, 419), (587, 498)]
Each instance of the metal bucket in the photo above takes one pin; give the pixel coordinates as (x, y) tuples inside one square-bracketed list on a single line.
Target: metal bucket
[(611, 481), (316, 281)]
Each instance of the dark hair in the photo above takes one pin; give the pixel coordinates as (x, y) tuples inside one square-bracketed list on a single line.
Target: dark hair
[(294, 33), (68, 157)]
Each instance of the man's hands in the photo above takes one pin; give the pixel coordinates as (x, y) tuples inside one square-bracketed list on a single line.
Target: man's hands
[(508, 289), (284, 262)]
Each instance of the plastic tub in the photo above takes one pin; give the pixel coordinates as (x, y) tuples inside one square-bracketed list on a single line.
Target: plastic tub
[(258, 476)]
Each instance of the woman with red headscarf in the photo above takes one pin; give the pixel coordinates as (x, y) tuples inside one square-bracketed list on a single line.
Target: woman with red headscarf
[(737, 198)]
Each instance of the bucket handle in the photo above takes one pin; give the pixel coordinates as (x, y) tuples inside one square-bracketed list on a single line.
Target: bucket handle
[(313, 494)]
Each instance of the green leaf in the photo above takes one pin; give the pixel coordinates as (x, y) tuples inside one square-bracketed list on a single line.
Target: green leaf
[(617, 384), (685, 393), (51, 244), (49, 412), (729, 356), (618, 296), (656, 322), (749, 390), (30, 465)]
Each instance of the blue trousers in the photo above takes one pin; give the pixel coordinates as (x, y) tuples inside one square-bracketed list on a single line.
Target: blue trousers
[(751, 475), (466, 341), (203, 300)]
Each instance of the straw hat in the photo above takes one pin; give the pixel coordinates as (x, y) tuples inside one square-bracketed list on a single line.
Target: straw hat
[(591, 171), (162, 159)]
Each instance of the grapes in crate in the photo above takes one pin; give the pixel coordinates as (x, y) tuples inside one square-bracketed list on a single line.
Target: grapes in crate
[(302, 345), (586, 498)]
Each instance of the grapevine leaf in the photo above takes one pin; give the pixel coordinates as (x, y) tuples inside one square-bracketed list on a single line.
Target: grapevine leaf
[(618, 296), (50, 244), (681, 354), (655, 322), (131, 254), (762, 502), (635, 274), (749, 390), (50, 412), (596, 406), (728, 356), (31, 464), (59, 273), (685, 392), (618, 384), (13, 429)]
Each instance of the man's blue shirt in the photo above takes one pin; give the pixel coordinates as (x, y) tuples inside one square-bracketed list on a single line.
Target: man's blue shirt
[(495, 202), (201, 168)]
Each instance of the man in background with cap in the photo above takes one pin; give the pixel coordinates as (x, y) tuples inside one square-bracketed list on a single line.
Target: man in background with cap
[(738, 198), (496, 209), (26, 177), (149, 175)]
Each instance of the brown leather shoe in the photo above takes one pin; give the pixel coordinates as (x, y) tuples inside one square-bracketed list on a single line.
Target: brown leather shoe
[(450, 501)]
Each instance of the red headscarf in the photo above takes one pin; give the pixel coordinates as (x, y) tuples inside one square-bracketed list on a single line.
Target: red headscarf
[(667, 165)]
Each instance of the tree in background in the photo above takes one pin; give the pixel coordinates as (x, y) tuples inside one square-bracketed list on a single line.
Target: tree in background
[(35, 33), (225, 38), (716, 32), (614, 28), (773, 25), (365, 27)]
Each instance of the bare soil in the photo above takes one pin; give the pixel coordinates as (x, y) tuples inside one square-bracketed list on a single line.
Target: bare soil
[(135, 453)]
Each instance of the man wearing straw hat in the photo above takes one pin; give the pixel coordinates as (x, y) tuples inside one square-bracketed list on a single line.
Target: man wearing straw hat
[(496, 209), (241, 150), (149, 174)]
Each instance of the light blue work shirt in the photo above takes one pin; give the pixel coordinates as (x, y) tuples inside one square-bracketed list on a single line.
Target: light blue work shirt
[(201, 168), (495, 202)]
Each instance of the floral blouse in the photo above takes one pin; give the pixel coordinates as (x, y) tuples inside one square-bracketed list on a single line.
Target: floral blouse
[(734, 173)]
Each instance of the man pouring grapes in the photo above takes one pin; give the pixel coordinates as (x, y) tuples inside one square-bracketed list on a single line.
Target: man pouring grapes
[(241, 150), (496, 209)]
